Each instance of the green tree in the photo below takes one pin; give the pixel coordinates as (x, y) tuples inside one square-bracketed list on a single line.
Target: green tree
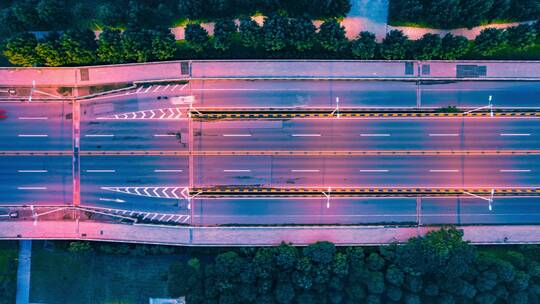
[(320, 252), (137, 45), (25, 12), (332, 36), (79, 46), (275, 33), (110, 49), (250, 32), (394, 293), (485, 298), (163, 44), (521, 37), (454, 47), (110, 14), (404, 10), (473, 12), (53, 13), (395, 276), (50, 52), (21, 50), (286, 256), (442, 13), (224, 31), (525, 9), (394, 46), (302, 274), (192, 9), (375, 262), (79, 247), (302, 35), (10, 24), (499, 9), (196, 37), (284, 292), (428, 47), (375, 282), (490, 41), (263, 263), (363, 47)]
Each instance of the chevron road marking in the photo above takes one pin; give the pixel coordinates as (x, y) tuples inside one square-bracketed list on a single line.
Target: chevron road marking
[(157, 114)]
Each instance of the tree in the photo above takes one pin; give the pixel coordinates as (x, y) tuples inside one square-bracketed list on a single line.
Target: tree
[(521, 37), (192, 9), (10, 24), (404, 10), (428, 47), (374, 262), (394, 275), (196, 37), (375, 282), (286, 256), (53, 13), (454, 47), (284, 292), (250, 32), (79, 46), (25, 12), (163, 44), (137, 45), (110, 48), (442, 13), (332, 36), (224, 31), (489, 41), (50, 51), (525, 9), (474, 11), (320, 252), (275, 33), (21, 49), (302, 35), (363, 47), (394, 46), (110, 14), (499, 9)]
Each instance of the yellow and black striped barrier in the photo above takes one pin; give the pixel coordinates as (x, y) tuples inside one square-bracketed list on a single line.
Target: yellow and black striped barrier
[(347, 192), (232, 114)]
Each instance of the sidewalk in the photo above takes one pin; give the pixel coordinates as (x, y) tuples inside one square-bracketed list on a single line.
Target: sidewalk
[(254, 236), (23, 272)]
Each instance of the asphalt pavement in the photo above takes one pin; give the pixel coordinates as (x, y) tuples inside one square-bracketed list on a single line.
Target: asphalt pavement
[(137, 122)]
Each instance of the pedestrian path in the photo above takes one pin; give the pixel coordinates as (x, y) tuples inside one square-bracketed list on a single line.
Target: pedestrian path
[(23, 272)]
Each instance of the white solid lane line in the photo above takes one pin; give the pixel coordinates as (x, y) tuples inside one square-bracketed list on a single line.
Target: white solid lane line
[(515, 134), (374, 135), (240, 170), (100, 171), (443, 134), (33, 135), (167, 170), (164, 135), (237, 135), (32, 171), (374, 170), (510, 170), (305, 170), (306, 135), (443, 170), (32, 188), (99, 135), (33, 118)]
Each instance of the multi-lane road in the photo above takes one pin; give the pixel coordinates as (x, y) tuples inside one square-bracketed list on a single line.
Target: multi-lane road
[(138, 152)]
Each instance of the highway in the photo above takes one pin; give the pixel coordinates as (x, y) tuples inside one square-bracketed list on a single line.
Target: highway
[(126, 126)]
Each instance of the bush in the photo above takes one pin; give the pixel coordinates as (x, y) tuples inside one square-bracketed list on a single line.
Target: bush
[(490, 41), (364, 46), (394, 46), (521, 37)]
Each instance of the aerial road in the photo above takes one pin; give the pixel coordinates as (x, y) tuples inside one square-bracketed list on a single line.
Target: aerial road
[(141, 151)]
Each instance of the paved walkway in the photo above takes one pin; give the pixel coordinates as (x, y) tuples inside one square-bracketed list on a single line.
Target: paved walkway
[(251, 236), (23, 272), (417, 32)]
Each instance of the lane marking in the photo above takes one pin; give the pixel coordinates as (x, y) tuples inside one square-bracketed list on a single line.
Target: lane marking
[(148, 89), (164, 135), (100, 171), (306, 135), (517, 170), (515, 134), (32, 171), (99, 135), (182, 88), (33, 135), (33, 118), (374, 135), (240, 170), (32, 188), (443, 134), (157, 88), (305, 170), (443, 170), (167, 170), (374, 170), (174, 88), (237, 135), (139, 89)]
